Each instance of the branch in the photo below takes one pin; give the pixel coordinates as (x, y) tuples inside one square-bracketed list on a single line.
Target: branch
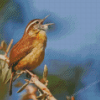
[(9, 46), (4, 57), (35, 80)]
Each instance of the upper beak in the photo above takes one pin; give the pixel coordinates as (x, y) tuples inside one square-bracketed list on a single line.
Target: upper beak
[(45, 19)]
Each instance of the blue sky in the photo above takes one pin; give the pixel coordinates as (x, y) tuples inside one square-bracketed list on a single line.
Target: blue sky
[(78, 37), (85, 16)]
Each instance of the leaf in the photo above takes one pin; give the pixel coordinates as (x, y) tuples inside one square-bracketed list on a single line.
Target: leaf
[(6, 81), (3, 71), (0, 68), (4, 64), (6, 77), (3, 45), (45, 73)]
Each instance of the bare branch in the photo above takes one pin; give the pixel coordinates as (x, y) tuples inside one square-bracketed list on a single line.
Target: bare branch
[(36, 81), (3, 57), (9, 46), (23, 87)]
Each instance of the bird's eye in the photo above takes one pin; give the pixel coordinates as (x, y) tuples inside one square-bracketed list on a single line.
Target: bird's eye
[(37, 22)]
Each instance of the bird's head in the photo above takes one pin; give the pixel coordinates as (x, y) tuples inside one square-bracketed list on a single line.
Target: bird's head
[(37, 28)]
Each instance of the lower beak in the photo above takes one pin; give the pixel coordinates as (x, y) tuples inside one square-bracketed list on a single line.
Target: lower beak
[(49, 24)]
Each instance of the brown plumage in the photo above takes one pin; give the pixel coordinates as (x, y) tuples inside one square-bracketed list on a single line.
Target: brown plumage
[(29, 52), (21, 49)]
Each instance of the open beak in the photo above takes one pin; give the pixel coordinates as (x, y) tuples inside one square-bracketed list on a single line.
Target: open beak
[(45, 19), (44, 26)]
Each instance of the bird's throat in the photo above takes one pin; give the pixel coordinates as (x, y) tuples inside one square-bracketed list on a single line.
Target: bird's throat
[(41, 35)]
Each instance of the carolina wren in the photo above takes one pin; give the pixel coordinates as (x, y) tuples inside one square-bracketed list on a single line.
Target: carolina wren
[(29, 51)]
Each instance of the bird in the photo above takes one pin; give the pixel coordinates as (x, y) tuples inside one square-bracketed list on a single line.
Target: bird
[(28, 53)]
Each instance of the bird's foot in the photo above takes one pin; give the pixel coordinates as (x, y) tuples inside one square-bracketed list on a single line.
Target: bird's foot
[(20, 72), (18, 75)]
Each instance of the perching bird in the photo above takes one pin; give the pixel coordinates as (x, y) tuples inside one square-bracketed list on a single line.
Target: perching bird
[(28, 53)]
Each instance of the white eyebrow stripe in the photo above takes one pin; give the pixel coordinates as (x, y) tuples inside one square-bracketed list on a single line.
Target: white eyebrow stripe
[(30, 25)]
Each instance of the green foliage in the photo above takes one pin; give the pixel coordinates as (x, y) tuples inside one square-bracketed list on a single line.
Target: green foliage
[(56, 85), (3, 87), (5, 72), (2, 3)]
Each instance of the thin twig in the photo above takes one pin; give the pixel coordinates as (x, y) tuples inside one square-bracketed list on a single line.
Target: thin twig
[(9, 46), (18, 75), (4, 57), (23, 87), (36, 81)]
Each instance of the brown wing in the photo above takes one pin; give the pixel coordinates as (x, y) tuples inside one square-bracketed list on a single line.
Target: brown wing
[(21, 49)]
